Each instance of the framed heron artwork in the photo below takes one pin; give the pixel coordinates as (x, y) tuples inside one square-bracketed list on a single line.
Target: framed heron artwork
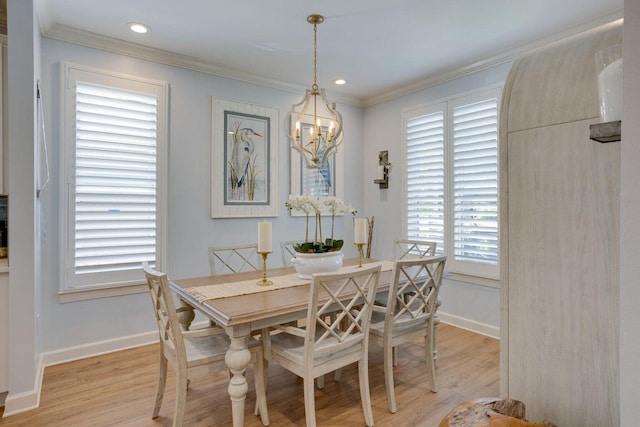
[(244, 156)]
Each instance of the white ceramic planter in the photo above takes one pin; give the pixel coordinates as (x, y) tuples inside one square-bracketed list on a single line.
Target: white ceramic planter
[(307, 264)]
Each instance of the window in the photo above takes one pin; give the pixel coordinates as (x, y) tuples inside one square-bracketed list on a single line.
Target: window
[(451, 180), (113, 155)]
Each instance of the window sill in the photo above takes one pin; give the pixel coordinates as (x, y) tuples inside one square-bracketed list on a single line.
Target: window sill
[(95, 293), (474, 280)]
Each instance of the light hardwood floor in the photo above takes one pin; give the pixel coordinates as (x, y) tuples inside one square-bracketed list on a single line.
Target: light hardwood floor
[(118, 389)]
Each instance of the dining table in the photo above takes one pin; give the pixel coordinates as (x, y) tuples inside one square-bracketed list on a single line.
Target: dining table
[(239, 303)]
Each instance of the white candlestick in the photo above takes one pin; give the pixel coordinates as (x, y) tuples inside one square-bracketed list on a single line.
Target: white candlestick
[(264, 237), (360, 230)]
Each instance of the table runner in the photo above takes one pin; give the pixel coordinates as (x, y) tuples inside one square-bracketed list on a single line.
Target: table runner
[(204, 293)]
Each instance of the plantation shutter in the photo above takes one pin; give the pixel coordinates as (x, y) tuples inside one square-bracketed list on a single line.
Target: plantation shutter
[(115, 199), (475, 182), (451, 182), (425, 185)]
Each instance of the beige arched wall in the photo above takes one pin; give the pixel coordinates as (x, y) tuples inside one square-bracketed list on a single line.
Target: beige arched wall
[(560, 238)]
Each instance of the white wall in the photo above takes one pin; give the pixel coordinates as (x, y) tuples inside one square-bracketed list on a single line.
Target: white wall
[(462, 304), (630, 220), (191, 229), (23, 71)]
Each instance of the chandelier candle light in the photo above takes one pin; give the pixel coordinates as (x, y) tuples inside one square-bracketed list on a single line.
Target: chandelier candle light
[(264, 249), (360, 232), (324, 121)]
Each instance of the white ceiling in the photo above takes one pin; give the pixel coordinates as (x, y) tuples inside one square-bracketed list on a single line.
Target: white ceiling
[(379, 46)]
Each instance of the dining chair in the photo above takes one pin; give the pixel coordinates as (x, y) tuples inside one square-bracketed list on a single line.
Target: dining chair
[(190, 351), (404, 319), (327, 343), (287, 251), (412, 249), (234, 259)]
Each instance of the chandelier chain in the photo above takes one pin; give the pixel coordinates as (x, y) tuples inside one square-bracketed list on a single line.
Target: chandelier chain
[(315, 58)]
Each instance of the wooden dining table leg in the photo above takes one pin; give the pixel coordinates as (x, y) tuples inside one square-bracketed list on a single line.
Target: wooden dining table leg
[(185, 314), (237, 359)]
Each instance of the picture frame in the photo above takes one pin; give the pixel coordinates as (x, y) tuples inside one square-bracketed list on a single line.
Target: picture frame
[(334, 174), (244, 160)]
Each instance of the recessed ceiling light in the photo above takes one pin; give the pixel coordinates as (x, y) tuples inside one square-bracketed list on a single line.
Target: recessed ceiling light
[(340, 81), (139, 28)]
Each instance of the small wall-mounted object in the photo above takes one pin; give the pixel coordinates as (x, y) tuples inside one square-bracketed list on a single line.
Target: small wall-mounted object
[(606, 132), (383, 169), (609, 69)]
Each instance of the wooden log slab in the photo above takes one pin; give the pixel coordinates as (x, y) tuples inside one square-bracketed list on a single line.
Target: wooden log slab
[(489, 412)]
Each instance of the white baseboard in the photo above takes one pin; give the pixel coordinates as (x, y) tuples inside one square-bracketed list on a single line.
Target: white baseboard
[(97, 348), (470, 325), (27, 400)]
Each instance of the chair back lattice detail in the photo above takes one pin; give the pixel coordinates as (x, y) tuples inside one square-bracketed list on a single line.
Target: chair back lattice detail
[(234, 259), (287, 251), (412, 249), (168, 326), (416, 283), (340, 309)]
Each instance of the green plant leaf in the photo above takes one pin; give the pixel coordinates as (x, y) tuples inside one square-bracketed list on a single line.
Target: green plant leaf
[(329, 245)]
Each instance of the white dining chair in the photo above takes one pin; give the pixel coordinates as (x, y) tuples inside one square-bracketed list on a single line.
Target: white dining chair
[(412, 249), (190, 351), (287, 252), (335, 333), (405, 319), (234, 259)]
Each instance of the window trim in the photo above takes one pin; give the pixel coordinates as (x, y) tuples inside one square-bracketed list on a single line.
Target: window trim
[(67, 291), (446, 105)]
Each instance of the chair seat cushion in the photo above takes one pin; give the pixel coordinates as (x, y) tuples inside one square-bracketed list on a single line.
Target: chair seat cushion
[(377, 325), (205, 349), (292, 347)]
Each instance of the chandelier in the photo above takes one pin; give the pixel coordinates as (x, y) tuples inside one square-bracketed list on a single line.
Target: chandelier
[(314, 126)]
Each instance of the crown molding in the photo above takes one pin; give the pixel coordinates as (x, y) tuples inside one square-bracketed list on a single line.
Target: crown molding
[(109, 44), (614, 18), (97, 41)]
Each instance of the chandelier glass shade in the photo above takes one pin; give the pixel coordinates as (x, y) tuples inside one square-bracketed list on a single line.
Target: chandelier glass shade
[(314, 126)]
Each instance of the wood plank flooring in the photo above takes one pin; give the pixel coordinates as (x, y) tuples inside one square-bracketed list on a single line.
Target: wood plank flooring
[(118, 389)]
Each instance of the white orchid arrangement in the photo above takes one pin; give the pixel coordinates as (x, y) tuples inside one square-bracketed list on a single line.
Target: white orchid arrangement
[(313, 206)]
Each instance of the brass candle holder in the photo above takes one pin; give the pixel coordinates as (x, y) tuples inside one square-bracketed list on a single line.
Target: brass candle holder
[(360, 253), (264, 281)]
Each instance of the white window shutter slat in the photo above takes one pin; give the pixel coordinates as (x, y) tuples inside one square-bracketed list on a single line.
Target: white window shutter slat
[(113, 158), (451, 181), (475, 182), (115, 179), (425, 178)]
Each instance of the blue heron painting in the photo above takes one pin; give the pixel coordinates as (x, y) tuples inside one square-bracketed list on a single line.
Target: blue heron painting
[(242, 166)]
